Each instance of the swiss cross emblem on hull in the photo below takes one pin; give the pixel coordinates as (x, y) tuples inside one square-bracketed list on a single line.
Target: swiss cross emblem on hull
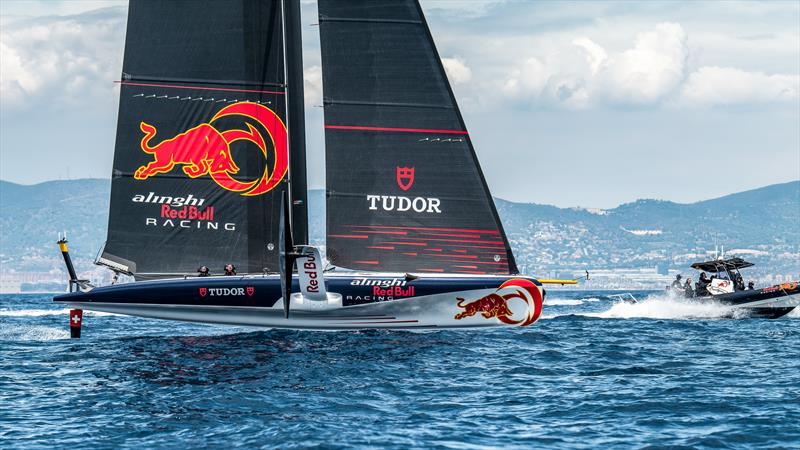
[(405, 177)]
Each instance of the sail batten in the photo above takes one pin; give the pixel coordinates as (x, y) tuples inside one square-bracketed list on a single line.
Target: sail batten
[(404, 188)]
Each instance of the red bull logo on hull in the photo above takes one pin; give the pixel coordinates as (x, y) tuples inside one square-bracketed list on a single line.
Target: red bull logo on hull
[(496, 304), (204, 150)]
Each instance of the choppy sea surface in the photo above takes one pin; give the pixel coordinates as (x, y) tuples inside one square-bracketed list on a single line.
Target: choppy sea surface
[(592, 373)]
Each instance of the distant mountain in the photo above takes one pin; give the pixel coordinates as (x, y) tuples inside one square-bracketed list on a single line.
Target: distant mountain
[(763, 223), (645, 233), (32, 216)]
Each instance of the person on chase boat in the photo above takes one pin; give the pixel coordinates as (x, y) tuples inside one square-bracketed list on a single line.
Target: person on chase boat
[(687, 288), (677, 283), (203, 272)]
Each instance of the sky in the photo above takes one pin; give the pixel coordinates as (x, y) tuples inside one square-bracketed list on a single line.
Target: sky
[(588, 104)]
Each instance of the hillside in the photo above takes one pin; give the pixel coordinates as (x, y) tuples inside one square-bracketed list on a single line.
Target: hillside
[(645, 233)]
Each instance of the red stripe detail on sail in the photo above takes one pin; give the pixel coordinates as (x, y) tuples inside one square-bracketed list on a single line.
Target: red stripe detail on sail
[(402, 130), (385, 232), (497, 247), (198, 88), (445, 255), (468, 236), (418, 244), (457, 230), (380, 247), (349, 236), (465, 267), (409, 253), (456, 240), (374, 263), (483, 262), (431, 270)]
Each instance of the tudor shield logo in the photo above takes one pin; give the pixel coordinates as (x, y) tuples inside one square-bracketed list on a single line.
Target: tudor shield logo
[(405, 177), (203, 292), (250, 291)]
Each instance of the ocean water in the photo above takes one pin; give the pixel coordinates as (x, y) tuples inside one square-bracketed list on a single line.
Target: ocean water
[(592, 373)]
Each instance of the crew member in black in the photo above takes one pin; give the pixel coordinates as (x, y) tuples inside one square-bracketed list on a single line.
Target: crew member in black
[(738, 282), (700, 289), (229, 269), (687, 288), (203, 272), (751, 286), (677, 283)]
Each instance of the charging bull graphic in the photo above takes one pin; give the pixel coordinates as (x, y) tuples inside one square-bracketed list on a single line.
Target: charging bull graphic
[(496, 303), (204, 150)]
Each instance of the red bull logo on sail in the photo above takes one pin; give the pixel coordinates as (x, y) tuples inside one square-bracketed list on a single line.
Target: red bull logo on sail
[(496, 304), (204, 150)]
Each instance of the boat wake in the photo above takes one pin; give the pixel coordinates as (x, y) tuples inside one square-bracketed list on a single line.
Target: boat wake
[(557, 302), (663, 307)]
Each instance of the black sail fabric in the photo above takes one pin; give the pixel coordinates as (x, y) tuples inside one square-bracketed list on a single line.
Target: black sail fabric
[(201, 153), (405, 191)]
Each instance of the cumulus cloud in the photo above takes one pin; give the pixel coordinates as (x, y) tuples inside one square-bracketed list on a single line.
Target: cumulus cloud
[(653, 71), (457, 70), (726, 86), (583, 73), (649, 71), (61, 59)]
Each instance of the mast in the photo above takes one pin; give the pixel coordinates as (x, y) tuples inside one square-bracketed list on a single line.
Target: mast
[(296, 115)]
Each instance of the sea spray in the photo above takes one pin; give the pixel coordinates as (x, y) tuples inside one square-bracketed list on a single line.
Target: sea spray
[(664, 307)]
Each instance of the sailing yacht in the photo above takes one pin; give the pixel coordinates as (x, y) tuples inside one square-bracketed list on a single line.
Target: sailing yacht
[(209, 169)]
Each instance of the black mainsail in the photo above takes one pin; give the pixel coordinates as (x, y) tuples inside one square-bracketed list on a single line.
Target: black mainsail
[(405, 191), (202, 152)]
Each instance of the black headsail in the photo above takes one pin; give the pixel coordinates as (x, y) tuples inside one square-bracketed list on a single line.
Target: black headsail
[(405, 190), (202, 153)]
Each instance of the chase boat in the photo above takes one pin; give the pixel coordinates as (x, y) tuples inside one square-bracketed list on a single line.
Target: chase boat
[(726, 287), (210, 169)]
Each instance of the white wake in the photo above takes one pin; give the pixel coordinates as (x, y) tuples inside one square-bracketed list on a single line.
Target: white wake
[(566, 302), (663, 307)]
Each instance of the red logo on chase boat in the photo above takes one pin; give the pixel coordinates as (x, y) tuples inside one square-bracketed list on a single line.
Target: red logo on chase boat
[(203, 292)]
